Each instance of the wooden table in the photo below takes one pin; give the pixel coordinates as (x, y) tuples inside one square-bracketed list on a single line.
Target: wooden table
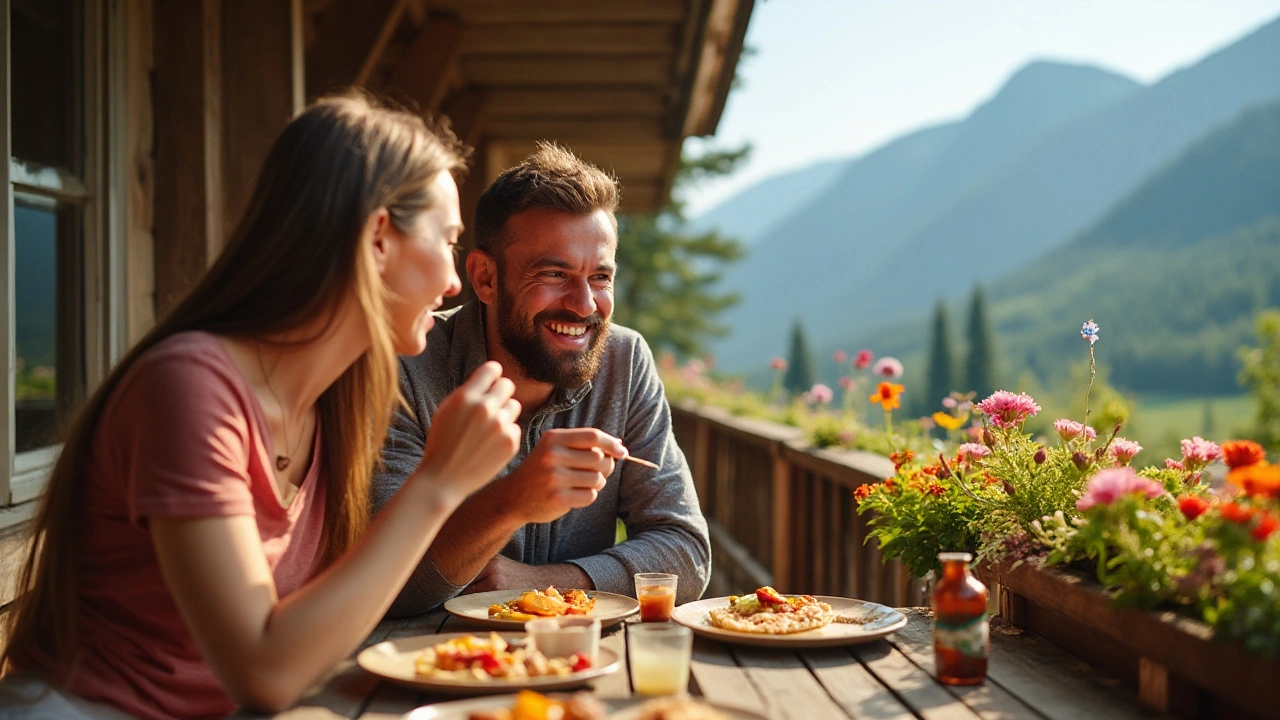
[(1028, 678)]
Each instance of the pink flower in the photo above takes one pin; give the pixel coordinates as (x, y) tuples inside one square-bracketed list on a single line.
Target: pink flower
[(1112, 484), (888, 367), (863, 359), (1007, 410), (972, 452), (1171, 464), (1124, 450), (778, 364), (948, 402), (819, 394), (927, 424), (840, 357), (846, 383), (975, 432), (1069, 430), (1198, 452)]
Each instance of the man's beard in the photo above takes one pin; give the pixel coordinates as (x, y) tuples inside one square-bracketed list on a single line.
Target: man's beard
[(539, 362)]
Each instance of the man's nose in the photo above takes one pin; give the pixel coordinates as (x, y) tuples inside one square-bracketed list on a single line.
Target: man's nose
[(579, 299), (455, 283)]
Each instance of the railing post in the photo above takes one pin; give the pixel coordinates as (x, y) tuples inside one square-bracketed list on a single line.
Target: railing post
[(781, 530), (702, 462)]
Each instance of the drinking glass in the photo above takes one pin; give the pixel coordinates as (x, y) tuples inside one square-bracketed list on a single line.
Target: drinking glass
[(564, 636), (659, 655), (657, 595)]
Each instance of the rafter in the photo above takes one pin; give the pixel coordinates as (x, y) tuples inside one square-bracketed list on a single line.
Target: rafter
[(426, 69), (350, 42)]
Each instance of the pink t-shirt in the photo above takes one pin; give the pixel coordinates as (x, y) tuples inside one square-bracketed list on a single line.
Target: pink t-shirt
[(181, 436)]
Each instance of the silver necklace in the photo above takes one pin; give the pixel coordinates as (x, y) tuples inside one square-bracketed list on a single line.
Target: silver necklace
[(282, 461)]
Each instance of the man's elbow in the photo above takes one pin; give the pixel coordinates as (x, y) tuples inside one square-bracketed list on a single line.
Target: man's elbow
[(263, 691)]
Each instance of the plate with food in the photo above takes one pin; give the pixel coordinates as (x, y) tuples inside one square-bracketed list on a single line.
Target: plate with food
[(531, 705), (768, 618), (513, 608), (480, 664)]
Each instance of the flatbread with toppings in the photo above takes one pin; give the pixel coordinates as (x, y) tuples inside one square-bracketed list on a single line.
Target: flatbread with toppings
[(543, 603), (768, 612)]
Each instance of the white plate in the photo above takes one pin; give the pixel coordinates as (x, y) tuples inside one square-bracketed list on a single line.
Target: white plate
[(394, 660), (611, 609), (629, 709), (881, 621)]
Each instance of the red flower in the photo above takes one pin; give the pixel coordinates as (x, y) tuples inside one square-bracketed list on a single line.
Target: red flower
[(1232, 512), (863, 359), (1267, 524), (935, 489), (862, 492), (1192, 506), (1241, 453)]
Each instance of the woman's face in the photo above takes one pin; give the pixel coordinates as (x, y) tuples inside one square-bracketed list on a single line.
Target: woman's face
[(418, 268)]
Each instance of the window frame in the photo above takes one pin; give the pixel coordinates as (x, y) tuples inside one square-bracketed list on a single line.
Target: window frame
[(25, 474)]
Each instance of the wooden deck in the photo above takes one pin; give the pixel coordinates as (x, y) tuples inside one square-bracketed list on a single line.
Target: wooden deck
[(888, 679)]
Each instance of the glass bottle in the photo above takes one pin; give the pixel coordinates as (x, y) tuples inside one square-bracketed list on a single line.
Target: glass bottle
[(960, 631)]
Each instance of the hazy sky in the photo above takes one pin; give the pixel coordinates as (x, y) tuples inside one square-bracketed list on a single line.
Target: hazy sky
[(836, 78)]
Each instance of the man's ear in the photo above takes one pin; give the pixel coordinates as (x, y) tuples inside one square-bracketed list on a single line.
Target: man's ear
[(376, 229), (483, 272)]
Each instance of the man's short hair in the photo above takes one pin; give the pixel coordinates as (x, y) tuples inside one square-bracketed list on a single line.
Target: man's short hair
[(552, 178)]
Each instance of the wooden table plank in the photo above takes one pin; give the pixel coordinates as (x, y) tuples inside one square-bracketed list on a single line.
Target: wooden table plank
[(915, 687), (990, 700), (1055, 682), (788, 690), (716, 676), (853, 687), (618, 684)]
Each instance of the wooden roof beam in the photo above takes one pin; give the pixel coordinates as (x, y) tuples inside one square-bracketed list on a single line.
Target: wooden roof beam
[(350, 43), (559, 11), (425, 71), (577, 102), (467, 111), (652, 71), (576, 38)]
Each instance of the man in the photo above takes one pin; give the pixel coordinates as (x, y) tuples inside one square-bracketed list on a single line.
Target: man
[(543, 271)]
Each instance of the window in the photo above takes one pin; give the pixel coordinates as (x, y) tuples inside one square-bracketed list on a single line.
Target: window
[(53, 233)]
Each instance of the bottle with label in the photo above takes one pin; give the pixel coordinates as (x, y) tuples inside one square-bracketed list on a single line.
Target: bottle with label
[(960, 632)]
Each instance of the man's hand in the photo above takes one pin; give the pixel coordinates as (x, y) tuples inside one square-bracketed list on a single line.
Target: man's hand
[(566, 470), (503, 573)]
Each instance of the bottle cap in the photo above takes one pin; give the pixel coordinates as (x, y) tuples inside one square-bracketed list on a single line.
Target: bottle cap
[(955, 557)]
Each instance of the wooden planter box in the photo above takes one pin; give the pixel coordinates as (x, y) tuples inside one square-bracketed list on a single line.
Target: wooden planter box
[(1171, 659)]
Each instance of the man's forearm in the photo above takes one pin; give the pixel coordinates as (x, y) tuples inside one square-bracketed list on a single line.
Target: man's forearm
[(476, 531)]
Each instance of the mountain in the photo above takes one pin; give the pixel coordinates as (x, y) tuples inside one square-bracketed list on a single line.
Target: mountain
[(999, 206), (748, 214), (808, 258), (1174, 274)]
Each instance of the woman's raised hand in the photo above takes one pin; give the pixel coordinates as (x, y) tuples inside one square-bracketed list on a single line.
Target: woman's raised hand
[(473, 432)]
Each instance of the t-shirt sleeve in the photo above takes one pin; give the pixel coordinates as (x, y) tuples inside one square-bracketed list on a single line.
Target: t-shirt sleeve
[(182, 439)]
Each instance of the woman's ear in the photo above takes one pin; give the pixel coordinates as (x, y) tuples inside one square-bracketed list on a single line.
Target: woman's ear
[(483, 273), (377, 231)]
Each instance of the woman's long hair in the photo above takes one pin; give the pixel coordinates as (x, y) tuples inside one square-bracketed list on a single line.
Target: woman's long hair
[(295, 254)]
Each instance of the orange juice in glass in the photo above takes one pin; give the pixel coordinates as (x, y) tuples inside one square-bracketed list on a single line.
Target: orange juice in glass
[(657, 595)]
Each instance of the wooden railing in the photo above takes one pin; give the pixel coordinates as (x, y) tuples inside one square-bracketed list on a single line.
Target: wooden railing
[(782, 512)]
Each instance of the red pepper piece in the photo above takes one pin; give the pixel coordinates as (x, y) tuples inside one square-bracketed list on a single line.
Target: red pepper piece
[(769, 596), (579, 662)]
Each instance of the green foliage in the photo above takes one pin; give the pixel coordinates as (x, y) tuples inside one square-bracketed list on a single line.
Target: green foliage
[(915, 516), (666, 279), (979, 369), (939, 382), (800, 368), (1261, 374)]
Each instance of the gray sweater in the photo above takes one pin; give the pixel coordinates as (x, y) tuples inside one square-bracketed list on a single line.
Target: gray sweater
[(665, 528)]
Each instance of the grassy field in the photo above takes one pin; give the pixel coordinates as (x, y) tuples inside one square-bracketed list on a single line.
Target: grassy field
[(1159, 423)]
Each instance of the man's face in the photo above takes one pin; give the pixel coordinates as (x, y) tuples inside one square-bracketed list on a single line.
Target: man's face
[(555, 293)]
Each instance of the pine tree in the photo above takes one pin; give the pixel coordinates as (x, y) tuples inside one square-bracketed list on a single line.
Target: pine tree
[(800, 370), (979, 369), (939, 384)]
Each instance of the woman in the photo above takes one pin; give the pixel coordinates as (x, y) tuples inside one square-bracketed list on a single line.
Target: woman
[(205, 539)]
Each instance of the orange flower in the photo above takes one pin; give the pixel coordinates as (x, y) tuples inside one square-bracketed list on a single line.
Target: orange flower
[(946, 421), (935, 489), (1257, 479), (887, 395), (1242, 453), (862, 492), (902, 458)]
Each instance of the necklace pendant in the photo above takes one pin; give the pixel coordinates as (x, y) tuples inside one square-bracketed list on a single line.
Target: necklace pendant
[(282, 462)]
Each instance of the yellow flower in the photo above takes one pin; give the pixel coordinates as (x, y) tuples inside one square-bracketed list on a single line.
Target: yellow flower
[(887, 395), (947, 421)]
